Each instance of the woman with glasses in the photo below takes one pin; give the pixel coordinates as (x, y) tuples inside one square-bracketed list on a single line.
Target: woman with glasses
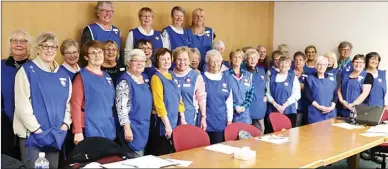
[(70, 52), (42, 108), (146, 47), (378, 95), (175, 35), (320, 93), (344, 61), (310, 53), (110, 65), (19, 43), (134, 104), (93, 97), (355, 87), (144, 31), (102, 30)]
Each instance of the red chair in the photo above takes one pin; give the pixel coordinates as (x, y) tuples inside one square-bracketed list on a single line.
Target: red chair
[(382, 149), (279, 121), (231, 131), (188, 136)]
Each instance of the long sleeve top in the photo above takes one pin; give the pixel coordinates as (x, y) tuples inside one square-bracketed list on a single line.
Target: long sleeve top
[(295, 95)]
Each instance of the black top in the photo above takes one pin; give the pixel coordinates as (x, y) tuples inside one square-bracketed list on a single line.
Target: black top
[(308, 94), (13, 63), (114, 72)]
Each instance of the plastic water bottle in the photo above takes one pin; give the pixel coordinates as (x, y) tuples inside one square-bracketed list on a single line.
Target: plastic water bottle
[(42, 162)]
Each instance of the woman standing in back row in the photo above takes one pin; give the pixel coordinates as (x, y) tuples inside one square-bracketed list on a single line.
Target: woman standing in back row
[(174, 35)]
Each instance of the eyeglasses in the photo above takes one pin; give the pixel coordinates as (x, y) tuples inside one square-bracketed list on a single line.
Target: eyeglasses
[(47, 47), (95, 53), (146, 48), (356, 62), (146, 16), (137, 61), (21, 41), (107, 11), (71, 53), (110, 50)]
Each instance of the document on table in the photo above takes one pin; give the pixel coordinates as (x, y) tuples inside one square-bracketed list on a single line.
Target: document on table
[(273, 139), (374, 134), (348, 126), (376, 131), (148, 161), (181, 163), (223, 148)]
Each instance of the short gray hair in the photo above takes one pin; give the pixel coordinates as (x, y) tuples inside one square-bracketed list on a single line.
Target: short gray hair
[(135, 53), (101, 3), (251, 52), (212, 53), (45, 37), (218, 43), (26, 36), (321, 59)]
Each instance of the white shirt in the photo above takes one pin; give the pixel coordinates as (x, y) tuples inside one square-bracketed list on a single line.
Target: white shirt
[(295, 94), (229, 101), (166, 38), (129, 45), (69, 68)]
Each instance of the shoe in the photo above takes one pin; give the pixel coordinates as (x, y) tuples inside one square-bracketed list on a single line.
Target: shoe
[(377, 159), (365, 156)]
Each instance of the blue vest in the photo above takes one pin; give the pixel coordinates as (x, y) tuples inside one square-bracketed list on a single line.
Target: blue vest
[(7, 88), (217, 94), (171, 99), (332, 72), (323, 91), (187, 85), (281, 91), (156, 39), (149, 71), (301, 101), (202, 43), (351, 88), (70, 73), (240, 88), (308, 70), (258, 106), (49, 94), (378, 91), (178, 40), (99, 100), (140, 112), (104, 35), (346, 70)]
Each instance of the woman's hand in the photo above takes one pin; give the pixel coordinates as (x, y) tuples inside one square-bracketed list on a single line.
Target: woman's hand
[(128, 135), (78, 137)]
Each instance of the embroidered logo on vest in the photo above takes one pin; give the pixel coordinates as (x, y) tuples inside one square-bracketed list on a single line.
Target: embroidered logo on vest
[(32, 69), (109, 80), (188, 80), (62, 81), (157, 38), (285, 83), (380, 80)]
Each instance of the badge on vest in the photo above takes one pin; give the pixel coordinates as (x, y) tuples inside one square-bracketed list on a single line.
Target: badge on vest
[(62, 81), (122, 69), (262, 77), (347, 68), (331, 74), (157, 38), (285, 83), (359, 78), (32, 69), (246, 82), (331, 78), (380, 80), (224, 87), (115, 31), (177, 83), (147, 80), (109, 80)]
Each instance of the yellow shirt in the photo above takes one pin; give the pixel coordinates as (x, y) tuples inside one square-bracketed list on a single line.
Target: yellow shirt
[(158, 96)]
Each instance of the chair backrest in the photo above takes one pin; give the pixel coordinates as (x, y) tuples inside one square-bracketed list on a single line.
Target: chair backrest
[(231, 131), (385, 115), (188, 137), (279, 121)]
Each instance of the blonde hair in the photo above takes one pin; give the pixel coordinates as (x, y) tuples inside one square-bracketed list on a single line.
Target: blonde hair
[(332, 55), (145, 10), (179, 50), (194, 13), (26, 36), (194, 51), (67, 44), (235, 52), (251, 52)]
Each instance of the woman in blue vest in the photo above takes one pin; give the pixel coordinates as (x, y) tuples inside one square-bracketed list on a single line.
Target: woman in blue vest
[(283, 90), (93, 98), (240, 82), (196, 56), (332, 67), (258, 106), (146, 46), (345, 65), (299, 70), (175, 35), (144, 31), (42, 108), (310, 52), (192, 88), (200, 35), (167, 99), (378, 94), (274, 66), (102, 30), (19, 51), (219, 99), (70, 52), (355, 87), (134, 104), (321, 93)]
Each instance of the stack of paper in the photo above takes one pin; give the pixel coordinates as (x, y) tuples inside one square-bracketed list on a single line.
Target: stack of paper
[(181, 163), (348, 126), (223, 148), (148, 161), (376, 131), (274, 139)]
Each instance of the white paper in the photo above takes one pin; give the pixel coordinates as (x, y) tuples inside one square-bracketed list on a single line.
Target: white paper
[(273, 139), (148, 161), (348, 126), (374, 134), (382, 128), (181, 163), (93, 165), (223, 148)]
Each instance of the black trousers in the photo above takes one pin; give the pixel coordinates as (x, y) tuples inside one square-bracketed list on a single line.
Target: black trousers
[(216, 136)]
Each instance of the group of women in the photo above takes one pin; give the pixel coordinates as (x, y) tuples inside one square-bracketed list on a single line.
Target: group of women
[(140, 103)]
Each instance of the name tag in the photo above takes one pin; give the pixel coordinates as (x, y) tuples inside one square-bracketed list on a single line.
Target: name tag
[(122, 69), (186, 85), (247, 84), (179, 86), (224, 90)]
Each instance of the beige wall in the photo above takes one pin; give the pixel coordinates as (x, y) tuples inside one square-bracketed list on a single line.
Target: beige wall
[(238, 24)]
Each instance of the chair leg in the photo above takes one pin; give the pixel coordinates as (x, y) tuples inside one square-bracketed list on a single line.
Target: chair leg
[(383, 164)]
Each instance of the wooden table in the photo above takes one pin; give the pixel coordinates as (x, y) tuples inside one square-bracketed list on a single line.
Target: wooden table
[(311, 146)]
